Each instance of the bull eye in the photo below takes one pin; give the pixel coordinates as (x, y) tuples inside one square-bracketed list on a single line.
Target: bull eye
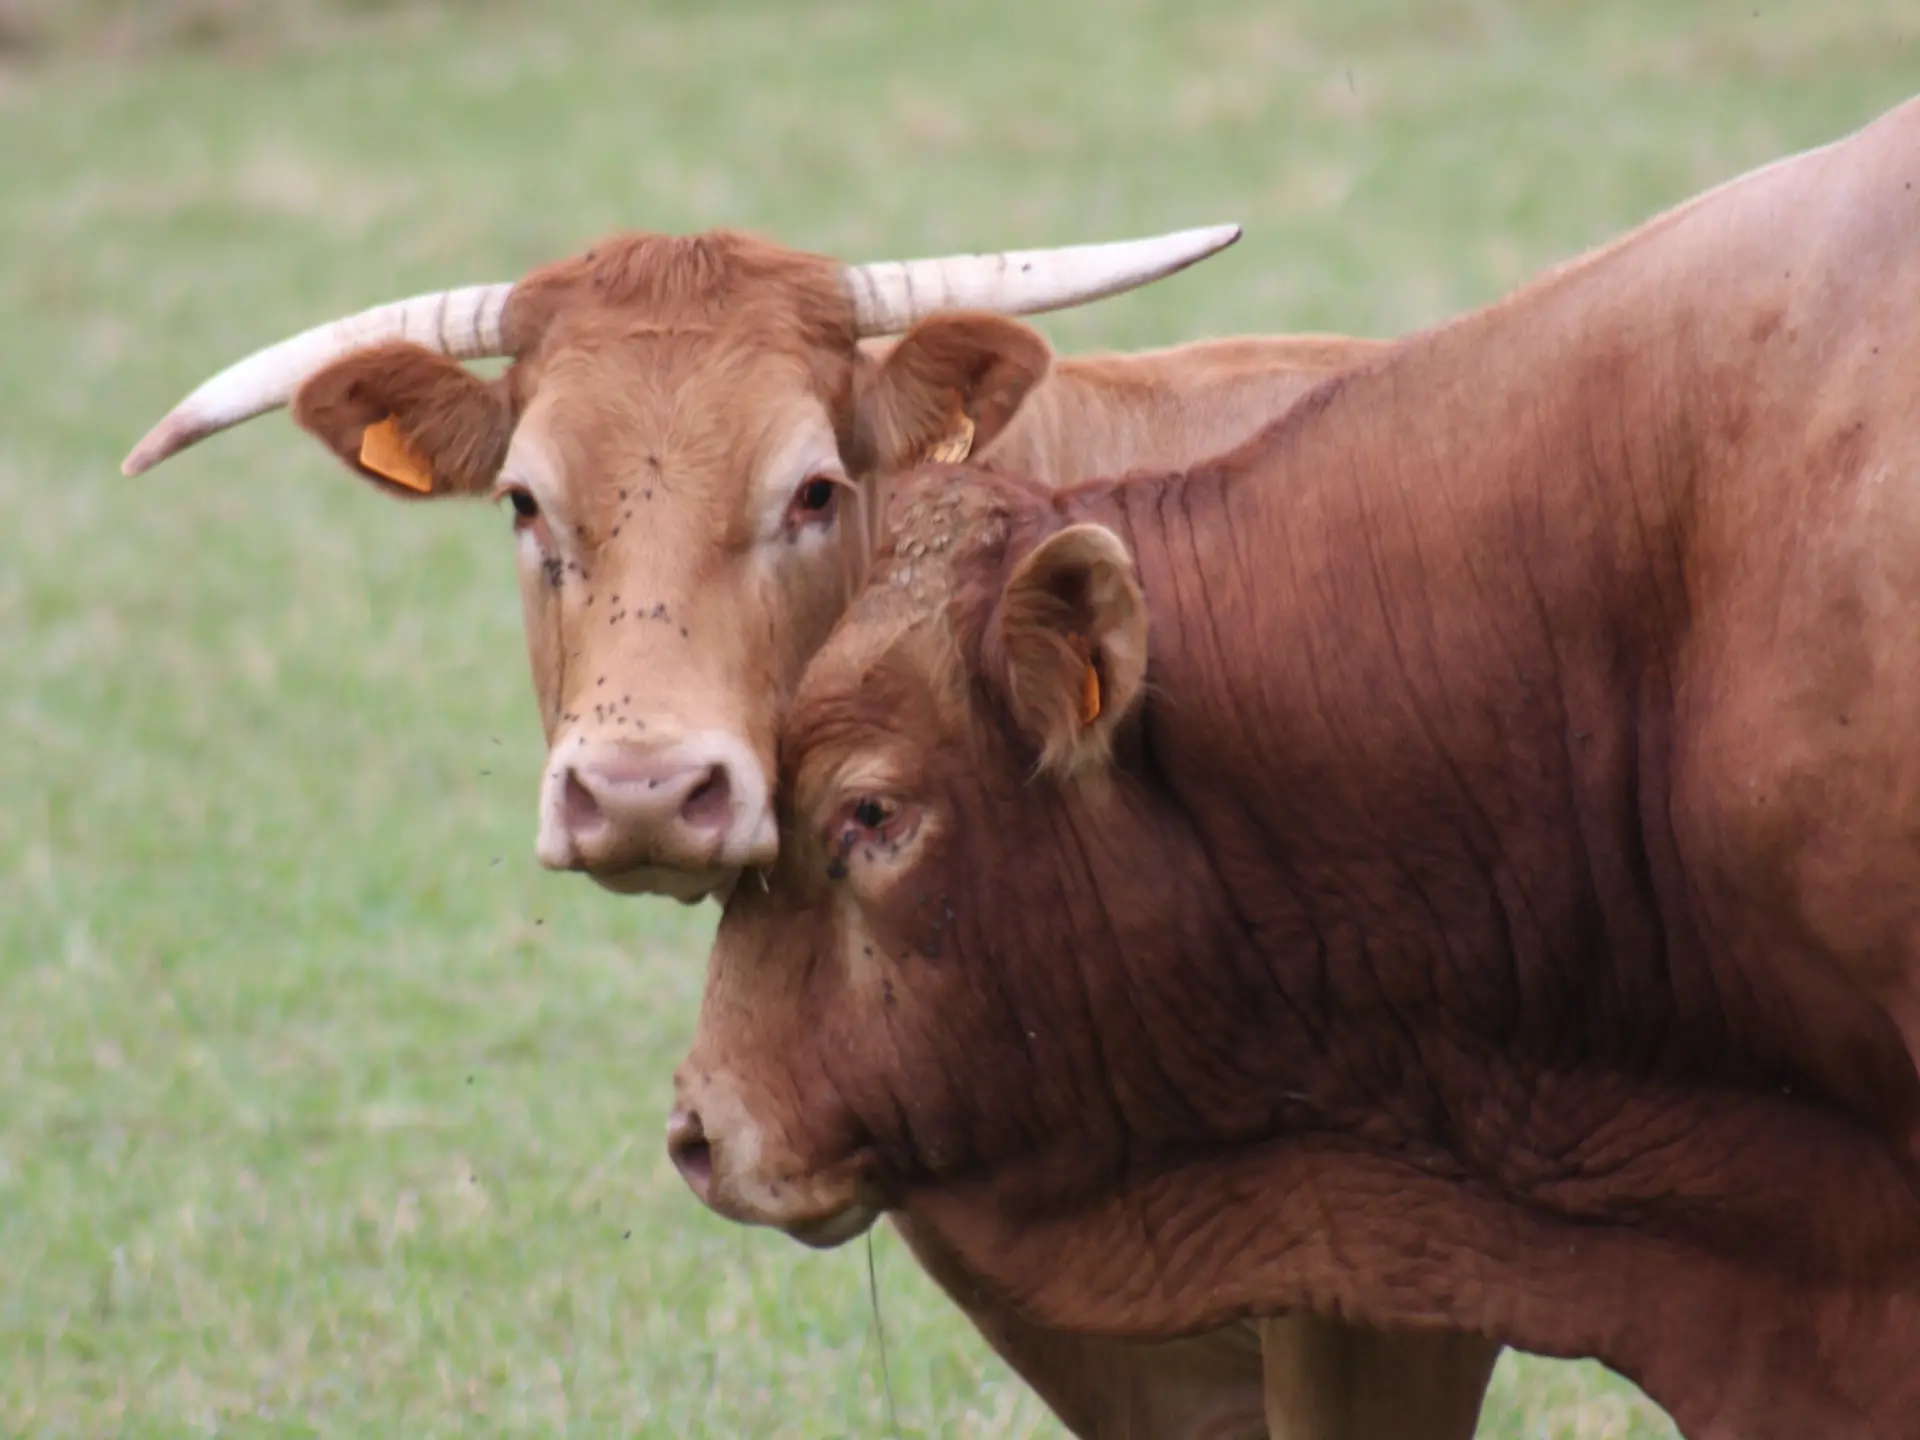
[(869, 830)]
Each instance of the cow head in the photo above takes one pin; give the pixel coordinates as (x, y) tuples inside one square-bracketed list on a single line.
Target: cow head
[(898, 1001), (681, 443)]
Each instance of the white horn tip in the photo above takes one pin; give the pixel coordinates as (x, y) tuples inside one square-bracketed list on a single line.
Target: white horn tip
[(169, 437), (1216, 238)]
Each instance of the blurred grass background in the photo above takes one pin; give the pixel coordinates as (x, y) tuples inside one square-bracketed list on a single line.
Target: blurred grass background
[(322, 1109)]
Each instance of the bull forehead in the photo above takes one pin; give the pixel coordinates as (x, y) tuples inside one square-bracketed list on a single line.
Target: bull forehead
[(936, 520), (940, 515), (904, 617)]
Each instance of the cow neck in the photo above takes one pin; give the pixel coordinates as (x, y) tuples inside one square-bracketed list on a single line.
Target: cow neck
[(1107, 415)]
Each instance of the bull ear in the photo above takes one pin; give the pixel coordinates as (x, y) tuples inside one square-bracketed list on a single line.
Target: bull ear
[(1072, 638), (949, 387), (415, 423)]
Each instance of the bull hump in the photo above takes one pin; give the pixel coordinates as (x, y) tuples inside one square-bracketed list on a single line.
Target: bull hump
[(927, 531)]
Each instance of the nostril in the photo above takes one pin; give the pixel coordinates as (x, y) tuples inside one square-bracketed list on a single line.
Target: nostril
[(692, 1155), (709, 805), (695, 1161), (579, 809)]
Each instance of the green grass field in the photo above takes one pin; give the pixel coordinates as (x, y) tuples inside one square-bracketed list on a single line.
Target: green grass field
[(323, 1110)]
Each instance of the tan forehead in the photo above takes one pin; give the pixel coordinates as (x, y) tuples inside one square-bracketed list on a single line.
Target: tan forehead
[(701, 416), (705, 345), (721, 281), (629, 367)]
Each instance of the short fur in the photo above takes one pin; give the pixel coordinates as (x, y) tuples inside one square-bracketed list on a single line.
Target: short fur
[(979, 366), (1072, 603), (457, 422)]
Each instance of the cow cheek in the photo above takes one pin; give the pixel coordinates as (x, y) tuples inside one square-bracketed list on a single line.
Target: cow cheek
[(541, 606)]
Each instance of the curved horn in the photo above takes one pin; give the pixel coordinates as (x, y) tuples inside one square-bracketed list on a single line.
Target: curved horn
[(462, 323), (890, 295)]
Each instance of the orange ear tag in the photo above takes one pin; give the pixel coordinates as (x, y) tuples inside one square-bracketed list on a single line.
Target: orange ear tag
[(1089, 695), (955, 448), (384, 451), (1089, 680)]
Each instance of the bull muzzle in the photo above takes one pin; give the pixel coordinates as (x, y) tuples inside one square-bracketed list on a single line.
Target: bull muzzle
[(736, 1166)]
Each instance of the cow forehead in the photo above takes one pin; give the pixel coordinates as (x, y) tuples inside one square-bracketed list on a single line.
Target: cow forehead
[(702, 423)]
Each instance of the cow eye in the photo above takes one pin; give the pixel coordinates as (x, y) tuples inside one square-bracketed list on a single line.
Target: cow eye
[(870, 814), (813, 502), (525, 507)]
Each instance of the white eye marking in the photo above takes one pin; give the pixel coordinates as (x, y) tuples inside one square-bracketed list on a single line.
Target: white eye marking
[(802, 477), (870, 827), (815, 505)]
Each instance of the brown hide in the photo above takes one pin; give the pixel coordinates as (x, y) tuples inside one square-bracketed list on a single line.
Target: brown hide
[(1500, 912), (672, 589)]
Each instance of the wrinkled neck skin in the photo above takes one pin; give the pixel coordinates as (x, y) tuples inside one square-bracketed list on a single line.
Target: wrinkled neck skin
[(1411, 998)]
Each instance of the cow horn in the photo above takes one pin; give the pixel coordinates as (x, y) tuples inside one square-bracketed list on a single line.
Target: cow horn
[(889, 296), (462, 323)]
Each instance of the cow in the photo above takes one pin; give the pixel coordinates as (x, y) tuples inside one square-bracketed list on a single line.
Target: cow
[(683, 425), (1448, 864)]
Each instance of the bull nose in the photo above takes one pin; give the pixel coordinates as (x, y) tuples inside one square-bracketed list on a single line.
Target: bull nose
[(691, 1154)]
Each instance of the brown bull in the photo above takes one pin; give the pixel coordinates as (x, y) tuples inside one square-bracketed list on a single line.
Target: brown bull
[(685, 438), (1449, 864)]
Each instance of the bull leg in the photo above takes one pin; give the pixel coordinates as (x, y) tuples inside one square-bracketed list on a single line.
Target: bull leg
[(1326, 1379), (1295, 1378), (1205, 1388)]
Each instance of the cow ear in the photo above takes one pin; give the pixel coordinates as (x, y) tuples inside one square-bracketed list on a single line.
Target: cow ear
[(949, 387), (1073, 645), (417, 424)]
